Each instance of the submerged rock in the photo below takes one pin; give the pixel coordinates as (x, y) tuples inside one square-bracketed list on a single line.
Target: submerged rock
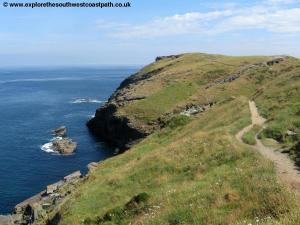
[(64, 146)]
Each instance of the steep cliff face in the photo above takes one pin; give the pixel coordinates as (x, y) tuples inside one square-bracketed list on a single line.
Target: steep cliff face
[(122, 128), (117, 129), (114, 129)]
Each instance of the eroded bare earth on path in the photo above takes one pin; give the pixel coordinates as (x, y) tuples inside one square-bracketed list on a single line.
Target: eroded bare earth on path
[(287, 172)]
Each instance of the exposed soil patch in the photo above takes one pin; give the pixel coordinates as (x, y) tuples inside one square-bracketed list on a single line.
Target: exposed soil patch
[(287, 171)]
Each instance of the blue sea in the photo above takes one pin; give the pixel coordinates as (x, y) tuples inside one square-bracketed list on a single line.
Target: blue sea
[(33, 101)]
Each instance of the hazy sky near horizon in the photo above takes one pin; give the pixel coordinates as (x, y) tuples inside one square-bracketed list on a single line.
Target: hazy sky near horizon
[(136, 35)]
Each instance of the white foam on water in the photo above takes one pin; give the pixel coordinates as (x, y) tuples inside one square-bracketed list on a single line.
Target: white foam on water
[(56, 138), (95, 101), (78, 101), (86, 100), (48, 147), (44, 79), (91, 116)]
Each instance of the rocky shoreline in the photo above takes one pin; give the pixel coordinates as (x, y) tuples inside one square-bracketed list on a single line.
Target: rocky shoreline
[(112, 128), (40, 206), (43, 205)]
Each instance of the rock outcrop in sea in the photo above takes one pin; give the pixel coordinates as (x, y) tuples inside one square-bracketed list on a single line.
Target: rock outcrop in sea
[(114, 129), (64, 146), (60, 131), (60, 143)]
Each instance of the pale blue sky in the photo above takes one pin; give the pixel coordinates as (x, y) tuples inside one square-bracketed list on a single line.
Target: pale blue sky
[(138, 34)]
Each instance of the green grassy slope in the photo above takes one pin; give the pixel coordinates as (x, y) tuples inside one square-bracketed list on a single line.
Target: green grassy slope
[(194, 171), (279, 102), (183, 80), (249, 137)]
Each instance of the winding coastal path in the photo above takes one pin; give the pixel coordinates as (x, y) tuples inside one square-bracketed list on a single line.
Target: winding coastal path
[(286, 170)]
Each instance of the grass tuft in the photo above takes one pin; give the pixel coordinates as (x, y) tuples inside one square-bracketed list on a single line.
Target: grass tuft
[(249, 137)]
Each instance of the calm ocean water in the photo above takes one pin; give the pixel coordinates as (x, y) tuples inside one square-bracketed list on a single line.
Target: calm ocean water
[(34, 101)]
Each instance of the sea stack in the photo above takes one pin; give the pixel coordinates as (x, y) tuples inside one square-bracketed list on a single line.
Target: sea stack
[(61, 143), (64, 146)]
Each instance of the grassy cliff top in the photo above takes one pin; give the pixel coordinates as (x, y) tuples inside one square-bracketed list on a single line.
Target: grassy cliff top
[(179, 81), (193, 170)]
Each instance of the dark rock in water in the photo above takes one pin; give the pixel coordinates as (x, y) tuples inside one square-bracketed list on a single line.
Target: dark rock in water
[(60, 132), (114, 129), (64, 146)]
